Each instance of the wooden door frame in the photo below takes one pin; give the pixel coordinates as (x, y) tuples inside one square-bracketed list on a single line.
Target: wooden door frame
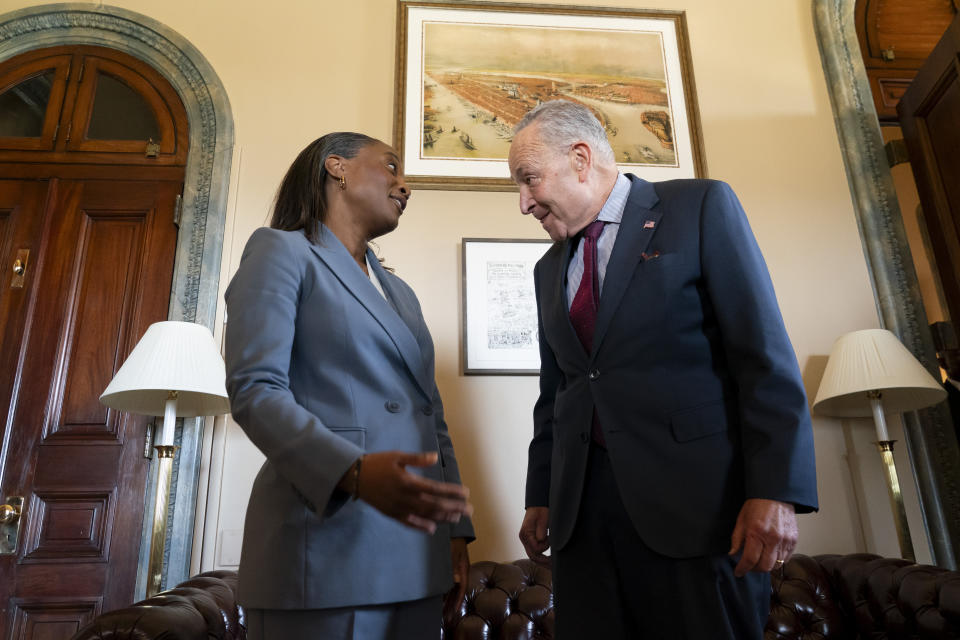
[(929, 433), (197, 265)]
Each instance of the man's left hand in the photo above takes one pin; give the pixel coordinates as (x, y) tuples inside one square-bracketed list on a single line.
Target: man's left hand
[(766, 530), (461, 571)]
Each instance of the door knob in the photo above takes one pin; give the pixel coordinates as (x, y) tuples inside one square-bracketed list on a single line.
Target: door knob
[(10, 522), (20, 268), (9, 513)]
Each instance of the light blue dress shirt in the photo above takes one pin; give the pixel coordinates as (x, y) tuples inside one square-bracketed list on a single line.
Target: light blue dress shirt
[(612, 214)]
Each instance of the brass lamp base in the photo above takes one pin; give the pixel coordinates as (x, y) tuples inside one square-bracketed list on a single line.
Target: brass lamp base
[(165, 455), (896, 500)]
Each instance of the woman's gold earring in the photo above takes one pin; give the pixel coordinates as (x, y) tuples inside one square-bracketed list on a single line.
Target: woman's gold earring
[(343, 183)]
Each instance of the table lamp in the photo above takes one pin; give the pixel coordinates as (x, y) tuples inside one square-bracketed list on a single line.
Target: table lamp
[(176, 370), (868, 373)]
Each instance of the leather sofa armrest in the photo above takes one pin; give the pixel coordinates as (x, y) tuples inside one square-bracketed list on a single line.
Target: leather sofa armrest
[(201, 608)]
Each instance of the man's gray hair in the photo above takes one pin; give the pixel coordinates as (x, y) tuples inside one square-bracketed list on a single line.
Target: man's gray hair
[(562, 123)]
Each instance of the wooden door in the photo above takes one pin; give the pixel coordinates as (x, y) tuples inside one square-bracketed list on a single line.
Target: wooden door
[(93, 146), (929, 114), (22, 204), (103, 278)]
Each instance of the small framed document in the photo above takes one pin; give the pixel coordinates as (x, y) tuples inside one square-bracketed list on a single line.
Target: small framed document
[(500, 334)]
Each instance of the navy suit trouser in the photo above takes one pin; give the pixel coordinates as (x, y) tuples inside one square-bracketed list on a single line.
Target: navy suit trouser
[(609, 584)]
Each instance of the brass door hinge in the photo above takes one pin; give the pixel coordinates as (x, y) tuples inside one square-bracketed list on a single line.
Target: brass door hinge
[(896, 152), (177, 210)]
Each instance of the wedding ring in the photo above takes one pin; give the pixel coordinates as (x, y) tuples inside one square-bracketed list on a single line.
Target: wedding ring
[(778, 564)]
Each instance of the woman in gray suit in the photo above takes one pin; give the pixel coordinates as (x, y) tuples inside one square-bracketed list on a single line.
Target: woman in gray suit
[(357, 522)]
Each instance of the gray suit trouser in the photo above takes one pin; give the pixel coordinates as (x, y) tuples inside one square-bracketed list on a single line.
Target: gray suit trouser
[(415, 620)]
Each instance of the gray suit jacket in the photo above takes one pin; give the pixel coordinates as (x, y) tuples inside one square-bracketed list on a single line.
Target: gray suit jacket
[(321, 369)]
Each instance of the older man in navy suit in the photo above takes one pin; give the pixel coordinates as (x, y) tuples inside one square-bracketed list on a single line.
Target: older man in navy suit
[(672, 444)]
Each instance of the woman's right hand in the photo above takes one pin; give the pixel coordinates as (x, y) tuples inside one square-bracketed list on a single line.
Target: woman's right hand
[(418, 502)]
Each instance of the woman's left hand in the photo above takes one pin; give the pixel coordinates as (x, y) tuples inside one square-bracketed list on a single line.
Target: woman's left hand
[(461, 572)]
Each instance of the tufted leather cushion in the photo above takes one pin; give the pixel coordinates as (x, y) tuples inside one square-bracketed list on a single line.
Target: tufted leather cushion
[(504, 602), (202, 608), (804, 603)]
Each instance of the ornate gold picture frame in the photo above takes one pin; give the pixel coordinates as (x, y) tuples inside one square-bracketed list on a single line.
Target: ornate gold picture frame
[(468, 71)]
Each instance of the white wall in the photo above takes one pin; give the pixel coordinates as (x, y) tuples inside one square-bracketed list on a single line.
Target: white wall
[(296, 69)]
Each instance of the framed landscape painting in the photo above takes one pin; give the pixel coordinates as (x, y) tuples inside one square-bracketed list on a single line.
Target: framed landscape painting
[(468, 72)]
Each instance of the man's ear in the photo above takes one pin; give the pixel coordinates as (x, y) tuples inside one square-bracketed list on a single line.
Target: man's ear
[(581, 156)]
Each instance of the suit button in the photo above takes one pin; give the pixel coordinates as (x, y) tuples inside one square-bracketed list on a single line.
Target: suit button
[(428, 410), (583, 437), (392, 406), (594, 374)]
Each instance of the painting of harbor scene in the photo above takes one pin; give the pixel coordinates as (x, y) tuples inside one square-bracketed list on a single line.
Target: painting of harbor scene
[(479, 81), (468, 72)]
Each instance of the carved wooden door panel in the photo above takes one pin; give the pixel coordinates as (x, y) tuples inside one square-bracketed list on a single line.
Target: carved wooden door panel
[(930, 118), (99, 275)]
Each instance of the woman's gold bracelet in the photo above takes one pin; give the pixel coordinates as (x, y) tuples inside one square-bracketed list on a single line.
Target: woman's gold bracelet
[(355, 494)]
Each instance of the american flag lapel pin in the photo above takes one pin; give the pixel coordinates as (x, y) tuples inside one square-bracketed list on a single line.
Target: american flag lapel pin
[(649, 224)]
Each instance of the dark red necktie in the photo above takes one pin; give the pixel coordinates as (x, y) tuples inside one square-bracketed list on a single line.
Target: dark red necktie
[(583, 310)]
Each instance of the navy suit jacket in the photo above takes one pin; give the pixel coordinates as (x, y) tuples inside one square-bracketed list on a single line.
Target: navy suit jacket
[(692, 374), (321, 369)]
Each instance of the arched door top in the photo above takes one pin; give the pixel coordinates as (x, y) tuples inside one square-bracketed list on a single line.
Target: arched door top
[(90, 105)]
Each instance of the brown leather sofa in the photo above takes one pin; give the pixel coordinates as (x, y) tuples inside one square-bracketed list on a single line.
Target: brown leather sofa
[(831, 597)]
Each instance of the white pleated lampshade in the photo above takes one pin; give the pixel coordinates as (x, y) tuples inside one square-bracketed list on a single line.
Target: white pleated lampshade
[(171, 356), (874, 360)]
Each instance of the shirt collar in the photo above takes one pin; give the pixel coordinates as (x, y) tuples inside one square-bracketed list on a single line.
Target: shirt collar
[(374, 278), (612, 210)]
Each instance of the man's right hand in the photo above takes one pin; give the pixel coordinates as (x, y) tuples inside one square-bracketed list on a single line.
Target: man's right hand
[(415, 501), (535, 535)]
